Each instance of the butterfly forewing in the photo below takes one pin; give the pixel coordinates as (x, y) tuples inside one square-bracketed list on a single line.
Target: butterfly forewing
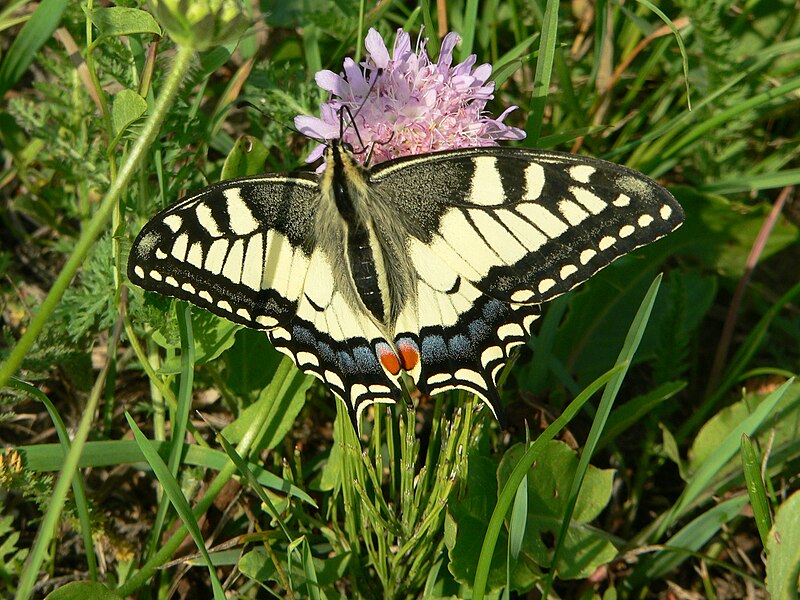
[(454, 252)]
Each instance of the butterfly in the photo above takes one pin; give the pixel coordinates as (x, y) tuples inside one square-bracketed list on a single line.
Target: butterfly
[(434, 265)]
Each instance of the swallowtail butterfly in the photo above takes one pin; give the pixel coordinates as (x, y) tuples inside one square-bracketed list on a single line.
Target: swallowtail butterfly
[(434, 264)]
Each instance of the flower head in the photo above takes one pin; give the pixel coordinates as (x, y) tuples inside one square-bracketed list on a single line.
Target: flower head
[(201, 24), (407, 104)]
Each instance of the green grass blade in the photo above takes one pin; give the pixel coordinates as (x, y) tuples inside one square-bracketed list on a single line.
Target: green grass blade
[(544, 72), (173, 491), (702, 479), (507, 495), (34, 35), (629, 347), (81, 503), (751, 467)]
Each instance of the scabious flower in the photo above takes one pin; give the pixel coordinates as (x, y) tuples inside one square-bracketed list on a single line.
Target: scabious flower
[(407, 104)]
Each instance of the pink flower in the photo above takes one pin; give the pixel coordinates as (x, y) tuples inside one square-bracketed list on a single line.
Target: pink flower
[(406, 104)]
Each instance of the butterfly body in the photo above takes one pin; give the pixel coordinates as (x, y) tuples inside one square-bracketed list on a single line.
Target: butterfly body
[(434, 265)]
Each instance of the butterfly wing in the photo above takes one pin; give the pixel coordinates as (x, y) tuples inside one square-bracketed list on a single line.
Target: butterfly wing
[(493, 232), (244, 250)]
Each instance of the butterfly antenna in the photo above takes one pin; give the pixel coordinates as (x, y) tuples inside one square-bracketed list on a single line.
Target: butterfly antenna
[(352, 115)]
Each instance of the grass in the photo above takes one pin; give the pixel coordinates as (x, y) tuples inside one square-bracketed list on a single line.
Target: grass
[(681, 480)]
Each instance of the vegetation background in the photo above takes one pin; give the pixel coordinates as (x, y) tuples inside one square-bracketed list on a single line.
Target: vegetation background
[(679, 482)]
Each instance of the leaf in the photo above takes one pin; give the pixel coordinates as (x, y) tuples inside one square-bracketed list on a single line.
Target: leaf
[(34, 35), (118, 20), (548, 486), (212, 336), (258, 565), (286, 395), (128, 106), (246, 158), (783, 551), (83, 590), (251, 362), (549, 483), (718, 427)]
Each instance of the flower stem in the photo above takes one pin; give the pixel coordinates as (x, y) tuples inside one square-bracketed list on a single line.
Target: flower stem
[(96, 225)]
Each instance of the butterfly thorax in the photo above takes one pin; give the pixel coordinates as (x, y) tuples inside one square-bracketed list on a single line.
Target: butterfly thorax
[(358, 232)]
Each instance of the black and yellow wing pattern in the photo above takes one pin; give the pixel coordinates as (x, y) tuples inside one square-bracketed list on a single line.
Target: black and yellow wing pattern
[(434, 264)]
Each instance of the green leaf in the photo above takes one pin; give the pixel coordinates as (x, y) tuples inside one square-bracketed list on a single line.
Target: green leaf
[(83, 590), (286, 395), (751, 466), (549, 483), (118, 20), (251, 362), (783, 551), (212, 336), (173, 491), (258, 566), (128, 106), (246, 158), (717, 428), (34, 35)]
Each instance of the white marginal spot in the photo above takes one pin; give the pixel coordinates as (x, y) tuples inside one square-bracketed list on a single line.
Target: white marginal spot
[(244, 313), (174, 222), (180, 247), (645, 220), (546, 284), (568, 270), (160, 254), (665, 212), (233, 263), (501, 241), (472, 377), (266, 321), (225, 305), (495, 373), (279, 333), (437, 378), (590, 201), (581, 173), (242, 221), (550, 224), (306, 358), (486, 186), (510, 330), (587, 255), (207, 220), (195, 256), (215, 259), (573, 213), (155, 275), (527, 322), (626, 230), (529, 236), (377, 388), (188, 287), (622, 201), (333, 379), (534, 181), (522, 295), (171, 281), (205, 296), (356, 391), (606, 242), (139, 271), (254, 262), (491, 354)]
